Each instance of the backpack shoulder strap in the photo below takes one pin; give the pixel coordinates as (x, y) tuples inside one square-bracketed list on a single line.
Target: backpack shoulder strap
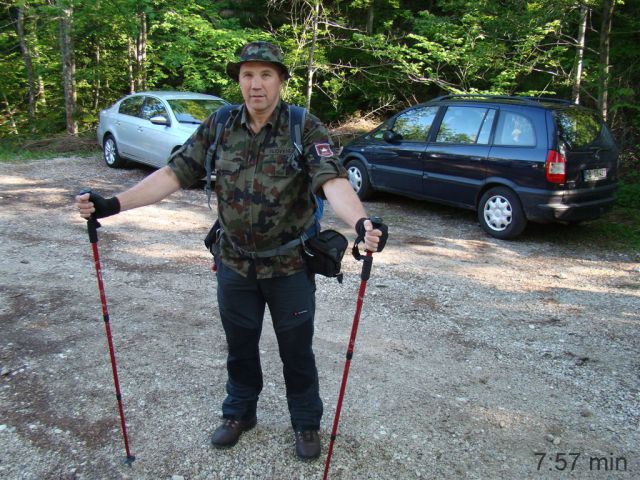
[(297, 117), (220, 122)]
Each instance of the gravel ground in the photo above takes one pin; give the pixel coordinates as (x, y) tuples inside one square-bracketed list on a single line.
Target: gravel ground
[(474, 356)]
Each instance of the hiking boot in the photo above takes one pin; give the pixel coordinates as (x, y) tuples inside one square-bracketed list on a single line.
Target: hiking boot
[(228, 433), (307, 444)]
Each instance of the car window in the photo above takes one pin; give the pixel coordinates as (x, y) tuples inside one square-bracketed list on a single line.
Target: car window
[(515, 130), (153, 107), (485, 129), (378, 133), (131, 106), (193, 110), (580, 128), (415, 123), (468, 125)]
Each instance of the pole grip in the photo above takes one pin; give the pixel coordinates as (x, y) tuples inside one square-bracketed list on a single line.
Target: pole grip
[(367, 263), (92, 223), (92, 228)]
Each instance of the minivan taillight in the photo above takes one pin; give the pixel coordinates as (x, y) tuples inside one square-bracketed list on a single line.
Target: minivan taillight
[(555, 167)]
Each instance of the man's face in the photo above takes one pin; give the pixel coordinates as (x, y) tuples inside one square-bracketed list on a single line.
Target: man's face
[(260, 84)]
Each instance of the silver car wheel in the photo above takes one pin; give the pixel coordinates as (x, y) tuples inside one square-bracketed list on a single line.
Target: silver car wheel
[(355, 178), (110, 151), (498, 213)]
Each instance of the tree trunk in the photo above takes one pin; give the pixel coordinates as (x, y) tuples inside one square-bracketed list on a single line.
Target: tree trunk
[(68, 67), (96, 77), (28, 65), (370, 15), (96, 68), (130, 60), (40, 95), (141, 53), (605, 37), (312, 50), (577, 82)]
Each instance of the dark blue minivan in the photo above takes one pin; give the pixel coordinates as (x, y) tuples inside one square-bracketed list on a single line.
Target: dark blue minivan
[(512, 159)]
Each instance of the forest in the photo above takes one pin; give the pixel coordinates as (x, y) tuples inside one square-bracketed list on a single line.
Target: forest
[(62, 61)]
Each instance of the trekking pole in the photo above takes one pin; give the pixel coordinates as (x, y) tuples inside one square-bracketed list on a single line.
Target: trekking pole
[(92, 228), (367, 262)]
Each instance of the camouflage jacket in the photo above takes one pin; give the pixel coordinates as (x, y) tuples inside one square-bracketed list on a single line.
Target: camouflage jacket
[(264, 201)]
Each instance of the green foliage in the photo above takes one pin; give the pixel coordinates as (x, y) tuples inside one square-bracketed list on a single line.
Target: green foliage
[(621, 227), (629, 193), (190, 54)]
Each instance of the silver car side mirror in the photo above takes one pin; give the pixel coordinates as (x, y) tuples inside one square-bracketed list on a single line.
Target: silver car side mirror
[(160, 120)]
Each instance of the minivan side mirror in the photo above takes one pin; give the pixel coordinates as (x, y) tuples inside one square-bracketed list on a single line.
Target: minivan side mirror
[(390, 136), (160, 120)]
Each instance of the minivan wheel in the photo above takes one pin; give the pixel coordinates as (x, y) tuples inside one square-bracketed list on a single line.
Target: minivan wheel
[(110, 153), (500, 213), (359, 179)]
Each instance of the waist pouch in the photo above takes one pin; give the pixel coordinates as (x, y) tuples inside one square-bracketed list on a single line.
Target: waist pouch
[(323, 253), (212, 240)]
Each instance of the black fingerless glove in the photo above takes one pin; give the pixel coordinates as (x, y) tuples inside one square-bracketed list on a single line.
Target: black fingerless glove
[(360, 230), (105, 207), (377, 225)]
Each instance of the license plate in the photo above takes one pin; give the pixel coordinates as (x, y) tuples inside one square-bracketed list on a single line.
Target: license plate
[(595, 174)]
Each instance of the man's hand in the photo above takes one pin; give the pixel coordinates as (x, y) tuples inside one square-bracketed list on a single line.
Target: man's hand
[(92, 203), (348, 207), (374, 236)]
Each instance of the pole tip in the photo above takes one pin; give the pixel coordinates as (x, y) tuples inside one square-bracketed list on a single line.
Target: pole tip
[(130, 459)]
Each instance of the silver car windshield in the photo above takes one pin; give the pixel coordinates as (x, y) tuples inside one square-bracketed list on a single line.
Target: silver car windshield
[(189, 110)]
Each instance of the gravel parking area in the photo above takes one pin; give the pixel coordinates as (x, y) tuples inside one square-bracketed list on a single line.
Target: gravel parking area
[(476, 358)]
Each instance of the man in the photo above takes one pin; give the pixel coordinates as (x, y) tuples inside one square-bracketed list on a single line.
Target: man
[(264, 202)]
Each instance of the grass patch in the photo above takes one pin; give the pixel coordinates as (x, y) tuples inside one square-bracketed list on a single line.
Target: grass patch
[(25, 149), (622, 225)]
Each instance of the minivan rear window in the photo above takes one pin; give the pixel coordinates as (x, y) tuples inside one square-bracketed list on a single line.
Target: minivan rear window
[(581, 128)]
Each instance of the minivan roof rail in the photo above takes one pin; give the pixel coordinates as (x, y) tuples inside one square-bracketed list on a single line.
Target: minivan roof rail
[(525, 99)]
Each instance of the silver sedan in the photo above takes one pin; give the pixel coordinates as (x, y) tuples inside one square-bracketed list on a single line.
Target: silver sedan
[(147, 127)]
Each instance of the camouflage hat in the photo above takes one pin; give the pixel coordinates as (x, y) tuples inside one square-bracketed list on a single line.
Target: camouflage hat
[(258, 52)]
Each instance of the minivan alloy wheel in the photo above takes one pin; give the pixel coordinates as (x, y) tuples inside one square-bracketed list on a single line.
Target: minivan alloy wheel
[(498, 213), (359, 178), (355, 178)]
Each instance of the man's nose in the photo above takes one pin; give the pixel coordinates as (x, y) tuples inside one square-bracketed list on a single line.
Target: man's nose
[(256, 82)]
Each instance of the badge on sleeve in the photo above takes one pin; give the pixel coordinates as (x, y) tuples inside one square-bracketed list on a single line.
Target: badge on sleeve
[(324, 150)]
